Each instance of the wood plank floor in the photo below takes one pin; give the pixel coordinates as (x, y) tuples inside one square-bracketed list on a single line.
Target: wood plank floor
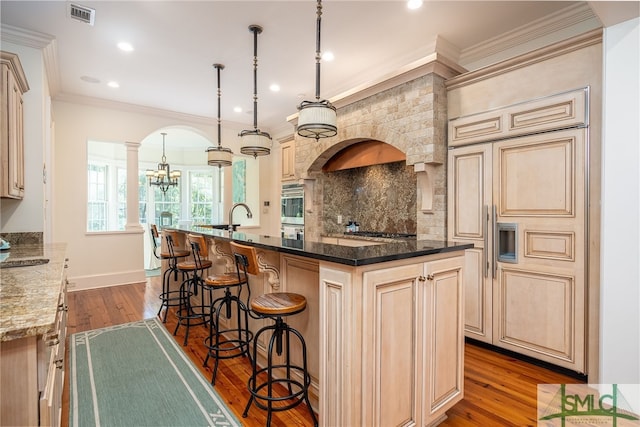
[(499, 390)]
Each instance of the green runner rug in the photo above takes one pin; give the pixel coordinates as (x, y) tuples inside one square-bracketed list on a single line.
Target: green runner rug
[(136, 375)]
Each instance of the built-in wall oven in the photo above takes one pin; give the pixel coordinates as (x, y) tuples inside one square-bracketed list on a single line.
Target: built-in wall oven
[(292, 211)]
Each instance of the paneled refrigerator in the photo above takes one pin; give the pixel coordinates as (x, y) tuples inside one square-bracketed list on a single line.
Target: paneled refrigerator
[(521, 202)]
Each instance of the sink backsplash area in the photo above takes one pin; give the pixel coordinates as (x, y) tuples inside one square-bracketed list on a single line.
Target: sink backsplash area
[(379, 198), (24, 238)]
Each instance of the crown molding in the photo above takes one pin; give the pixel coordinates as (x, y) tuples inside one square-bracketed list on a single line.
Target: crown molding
[(562, 20), (140, 109), (24, 37), (50, 58), (435, 63), (539, 55), (36, 40)]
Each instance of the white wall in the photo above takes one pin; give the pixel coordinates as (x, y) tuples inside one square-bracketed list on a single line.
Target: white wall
[(28, 214), (114, 258), (620, 269)]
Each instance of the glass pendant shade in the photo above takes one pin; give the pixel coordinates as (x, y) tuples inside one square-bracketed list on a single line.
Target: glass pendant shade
[(219, 156), (255, 142), (317, 119)]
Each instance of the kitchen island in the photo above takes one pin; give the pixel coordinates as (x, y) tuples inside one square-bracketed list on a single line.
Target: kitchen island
[(383, 322)]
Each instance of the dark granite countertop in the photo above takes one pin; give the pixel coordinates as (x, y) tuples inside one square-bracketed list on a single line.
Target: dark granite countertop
[(347, 255)]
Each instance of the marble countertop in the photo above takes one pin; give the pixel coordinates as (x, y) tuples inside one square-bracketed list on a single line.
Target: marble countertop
[(29, 294), (393, 249)]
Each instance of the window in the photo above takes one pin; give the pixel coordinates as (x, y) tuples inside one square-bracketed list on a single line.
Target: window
[(142, 196), (206, 196), (167, 205), (121, 183), (106, 186), (97, 198), (197, 199)]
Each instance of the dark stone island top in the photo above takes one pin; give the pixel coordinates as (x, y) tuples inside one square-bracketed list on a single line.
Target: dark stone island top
[(391, 250)]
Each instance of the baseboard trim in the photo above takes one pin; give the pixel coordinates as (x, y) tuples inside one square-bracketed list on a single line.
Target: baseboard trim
[(81, 283)]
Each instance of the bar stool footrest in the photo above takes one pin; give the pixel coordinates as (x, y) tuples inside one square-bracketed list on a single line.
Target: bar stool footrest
[(299, 390), (236, 344)]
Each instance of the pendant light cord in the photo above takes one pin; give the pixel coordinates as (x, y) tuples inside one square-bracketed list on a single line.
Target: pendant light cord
[(256, 29), (218, 68), (318, 51)]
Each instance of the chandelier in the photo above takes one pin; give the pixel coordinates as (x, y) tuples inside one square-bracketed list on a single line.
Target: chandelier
[(219, 156), (163, 177), (317, 119), (255, 142)]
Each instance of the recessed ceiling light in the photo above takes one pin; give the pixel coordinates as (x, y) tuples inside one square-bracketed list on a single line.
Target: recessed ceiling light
[(125, 46), (275, 87), (237, 109), (414, 4), (328, 56), (89, 79), (113, 84)]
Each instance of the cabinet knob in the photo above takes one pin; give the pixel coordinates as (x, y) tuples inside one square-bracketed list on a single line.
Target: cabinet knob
[(59, 363), (422, 278), (430, 276)]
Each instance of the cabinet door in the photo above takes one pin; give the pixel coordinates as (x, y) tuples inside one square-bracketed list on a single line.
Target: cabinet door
[(539, 292), (443, 338), (13, 113), (469, 201), (288, 152), (392, 352)]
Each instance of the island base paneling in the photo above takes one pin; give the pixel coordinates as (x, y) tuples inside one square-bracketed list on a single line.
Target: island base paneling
[(391, 340), (390, 327)]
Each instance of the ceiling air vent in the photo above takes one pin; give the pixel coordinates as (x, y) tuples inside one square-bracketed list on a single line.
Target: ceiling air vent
[(82, 13)]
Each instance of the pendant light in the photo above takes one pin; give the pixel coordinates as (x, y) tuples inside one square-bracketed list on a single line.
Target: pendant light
[(163, 177), (255, 142), (219, 156), (317, 119)]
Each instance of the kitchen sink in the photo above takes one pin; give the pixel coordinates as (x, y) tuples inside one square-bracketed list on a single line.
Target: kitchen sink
[(23, 262)]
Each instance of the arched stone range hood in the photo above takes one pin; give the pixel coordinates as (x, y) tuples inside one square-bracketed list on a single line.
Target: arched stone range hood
[(362, 154), (407, 113)]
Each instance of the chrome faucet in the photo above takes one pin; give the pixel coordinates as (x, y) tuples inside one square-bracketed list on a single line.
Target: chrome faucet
[(249, 214)]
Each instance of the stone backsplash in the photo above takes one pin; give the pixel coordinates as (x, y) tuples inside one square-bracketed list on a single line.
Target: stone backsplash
[(371, 197), (25, 238)]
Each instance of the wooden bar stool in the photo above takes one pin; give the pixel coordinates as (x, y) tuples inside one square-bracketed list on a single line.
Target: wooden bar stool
[(189, 314), (168, 297), (276, 306), (233, 341)]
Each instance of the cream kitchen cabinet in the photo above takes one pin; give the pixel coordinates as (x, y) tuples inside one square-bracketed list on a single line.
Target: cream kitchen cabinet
[(14, 85), (524, 163), (403, 347), (54, 368), (469, 218), (521, 201), (288, 158), (32, 339)]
